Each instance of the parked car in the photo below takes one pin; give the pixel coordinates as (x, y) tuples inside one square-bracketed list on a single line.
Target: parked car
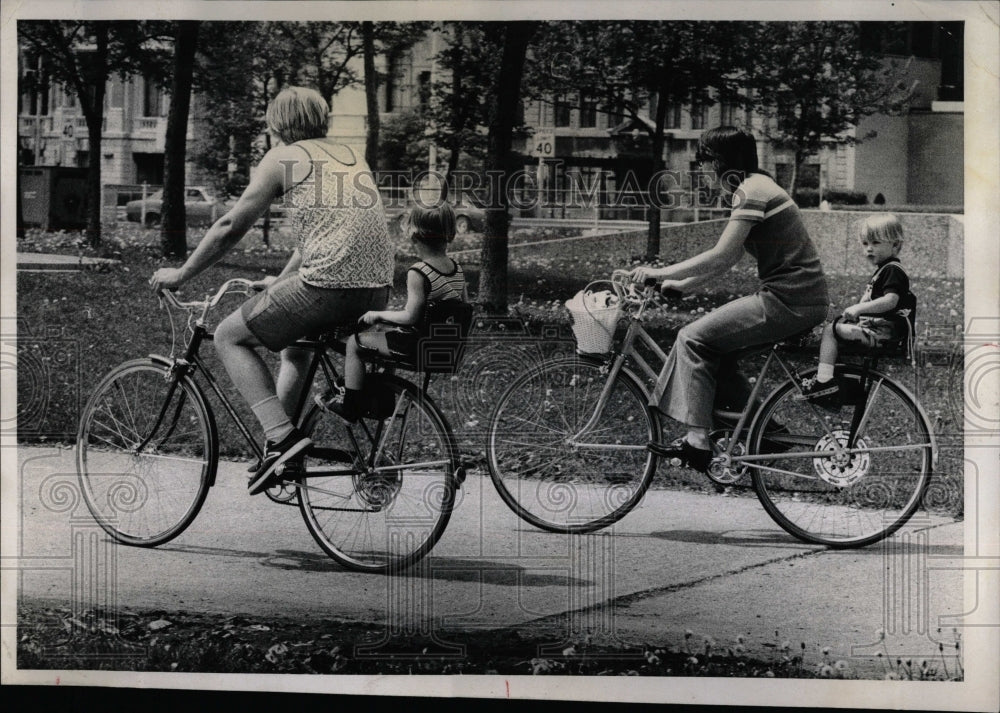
[(468, 217), (201, 206)]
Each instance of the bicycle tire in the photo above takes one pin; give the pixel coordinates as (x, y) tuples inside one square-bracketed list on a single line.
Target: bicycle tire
[(145, 498), (381, 522), (860, 498), (563, 488)]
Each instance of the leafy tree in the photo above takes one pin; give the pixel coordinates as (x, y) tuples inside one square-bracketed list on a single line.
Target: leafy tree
[(815, 83), (626, 65), (460, 110), (81, 55), (173, 229), (321, 54), (239, 67), (514, 38), (386, 39), (403, 142)]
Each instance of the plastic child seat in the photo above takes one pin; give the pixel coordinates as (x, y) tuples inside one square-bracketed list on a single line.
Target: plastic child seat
[(436, 346), (444, 335)]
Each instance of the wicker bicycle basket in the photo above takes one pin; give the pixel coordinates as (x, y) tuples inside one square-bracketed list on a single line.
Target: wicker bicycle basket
[(593, 325)]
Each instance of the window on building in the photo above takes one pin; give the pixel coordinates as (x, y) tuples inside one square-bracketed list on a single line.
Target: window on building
[(588, 113), (389, 86), (116, 93), (673, 116), (152, 98), (728, 114), (698, 116), (562, 112), (616, 113), (424, 88)]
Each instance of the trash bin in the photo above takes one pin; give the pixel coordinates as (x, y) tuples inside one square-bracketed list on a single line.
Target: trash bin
[(53, 197)]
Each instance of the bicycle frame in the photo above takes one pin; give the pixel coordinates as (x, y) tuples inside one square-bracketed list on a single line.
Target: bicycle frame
[(191, 362), (627, 350)]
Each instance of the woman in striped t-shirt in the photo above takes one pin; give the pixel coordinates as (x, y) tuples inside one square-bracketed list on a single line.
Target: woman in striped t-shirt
[(701, 372), (435, 278)]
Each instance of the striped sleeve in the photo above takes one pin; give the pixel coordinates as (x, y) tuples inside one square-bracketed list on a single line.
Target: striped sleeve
[(757, 199)]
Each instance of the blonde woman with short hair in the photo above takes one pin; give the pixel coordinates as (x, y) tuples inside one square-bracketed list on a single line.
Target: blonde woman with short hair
[(340, 269)]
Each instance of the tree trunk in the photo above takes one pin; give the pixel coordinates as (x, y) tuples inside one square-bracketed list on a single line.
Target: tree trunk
[(371, 95), (455, 140), (653, 236), (493, 278), (173, 226), (793, 182), (93, 111)]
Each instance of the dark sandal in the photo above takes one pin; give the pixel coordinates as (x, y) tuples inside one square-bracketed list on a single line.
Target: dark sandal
[(695, 458)]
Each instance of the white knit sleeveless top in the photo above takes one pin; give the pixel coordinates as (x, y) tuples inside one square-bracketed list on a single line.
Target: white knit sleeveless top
[(340, 223)]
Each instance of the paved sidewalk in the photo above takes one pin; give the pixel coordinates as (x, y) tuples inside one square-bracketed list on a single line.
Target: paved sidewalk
[(34, 262), (717, 566)]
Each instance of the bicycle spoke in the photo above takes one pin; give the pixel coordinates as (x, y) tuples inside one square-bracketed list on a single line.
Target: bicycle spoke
[(556, 476), (142, 497), (821, 490), (391, 512)]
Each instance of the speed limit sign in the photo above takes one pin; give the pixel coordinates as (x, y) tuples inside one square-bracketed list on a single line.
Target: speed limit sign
[(543, 145)]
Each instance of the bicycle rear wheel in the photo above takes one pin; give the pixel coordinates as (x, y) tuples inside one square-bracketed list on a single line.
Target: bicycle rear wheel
[(847, 499), (145, 453), (552, 475), (377, 496)]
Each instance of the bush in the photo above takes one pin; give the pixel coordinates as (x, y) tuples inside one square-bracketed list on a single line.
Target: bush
[(807, 198), (845, 197), (903, 208)]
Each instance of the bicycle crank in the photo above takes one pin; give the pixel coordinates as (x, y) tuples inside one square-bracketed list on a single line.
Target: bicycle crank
[(722, 469)]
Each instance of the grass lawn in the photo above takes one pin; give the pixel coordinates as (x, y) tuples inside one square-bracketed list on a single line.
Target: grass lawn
[(74, 327)]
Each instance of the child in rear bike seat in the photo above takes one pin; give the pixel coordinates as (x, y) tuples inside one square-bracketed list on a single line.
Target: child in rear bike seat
[(435, 278), (882, 318)]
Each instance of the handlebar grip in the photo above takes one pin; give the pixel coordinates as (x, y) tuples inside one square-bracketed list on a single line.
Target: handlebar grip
[(650, 282)]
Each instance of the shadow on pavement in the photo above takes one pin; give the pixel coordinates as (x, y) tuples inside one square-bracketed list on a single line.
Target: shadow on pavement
[(739, 538), (502, 574), (745, 538)]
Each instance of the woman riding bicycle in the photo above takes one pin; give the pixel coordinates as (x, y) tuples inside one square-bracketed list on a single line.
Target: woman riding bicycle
[(701, 370), (341, 268)]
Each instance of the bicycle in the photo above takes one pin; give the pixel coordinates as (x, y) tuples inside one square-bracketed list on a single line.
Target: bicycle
[(376, 496), (567, 442)]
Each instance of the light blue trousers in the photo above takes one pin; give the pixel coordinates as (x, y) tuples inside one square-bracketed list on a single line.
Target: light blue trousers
[(701, 372)]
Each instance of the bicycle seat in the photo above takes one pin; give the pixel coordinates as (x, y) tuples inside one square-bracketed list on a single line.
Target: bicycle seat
[(804, 340), (332, 339)]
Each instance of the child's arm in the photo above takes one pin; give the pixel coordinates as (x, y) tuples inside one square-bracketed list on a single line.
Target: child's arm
[(416, 299), (885, 303)]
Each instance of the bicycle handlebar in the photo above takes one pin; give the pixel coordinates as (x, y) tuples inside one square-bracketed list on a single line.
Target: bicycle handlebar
[(626, 288), (210, 300)]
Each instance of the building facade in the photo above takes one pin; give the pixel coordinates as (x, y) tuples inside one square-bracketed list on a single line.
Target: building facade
[(915, 157)]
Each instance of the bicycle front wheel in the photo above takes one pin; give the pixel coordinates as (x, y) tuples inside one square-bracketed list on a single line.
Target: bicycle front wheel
[(145, 453), (837, 496), (378, 495), (567, 451)]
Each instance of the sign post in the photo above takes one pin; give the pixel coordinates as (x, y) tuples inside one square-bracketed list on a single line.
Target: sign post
[(543, 145)]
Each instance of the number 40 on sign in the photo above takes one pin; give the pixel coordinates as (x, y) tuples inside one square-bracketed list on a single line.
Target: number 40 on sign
[(543, 145)]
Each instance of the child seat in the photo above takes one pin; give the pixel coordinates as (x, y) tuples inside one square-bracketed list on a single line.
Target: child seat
[(442, 337), (434, 346)]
